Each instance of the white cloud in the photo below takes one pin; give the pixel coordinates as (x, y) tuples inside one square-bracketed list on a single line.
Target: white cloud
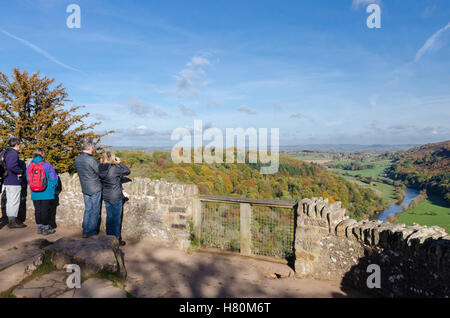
[(247, 109), (39, 50), (433, 43), (191, 76)]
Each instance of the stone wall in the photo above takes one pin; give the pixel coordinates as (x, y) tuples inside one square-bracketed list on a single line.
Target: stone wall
[(414, 260), (157, 210)]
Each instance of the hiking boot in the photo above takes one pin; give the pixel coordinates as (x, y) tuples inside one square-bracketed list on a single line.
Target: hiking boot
[(21, 223), (48, 231), (13, 224)]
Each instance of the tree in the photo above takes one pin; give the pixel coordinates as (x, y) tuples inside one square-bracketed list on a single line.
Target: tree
[(32, 110)]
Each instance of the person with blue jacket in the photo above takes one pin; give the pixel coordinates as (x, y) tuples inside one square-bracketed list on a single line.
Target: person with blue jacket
[(43, 200)]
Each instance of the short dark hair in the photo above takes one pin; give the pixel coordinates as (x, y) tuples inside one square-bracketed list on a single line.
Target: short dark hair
[(14, 142), (88, 144), (39, 152)]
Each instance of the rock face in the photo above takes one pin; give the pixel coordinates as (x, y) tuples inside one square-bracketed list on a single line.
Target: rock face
[(414, 261), (19, 263), (157, 210), (93, 255)]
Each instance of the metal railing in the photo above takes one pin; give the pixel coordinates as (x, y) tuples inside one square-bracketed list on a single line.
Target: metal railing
[(248, 226)]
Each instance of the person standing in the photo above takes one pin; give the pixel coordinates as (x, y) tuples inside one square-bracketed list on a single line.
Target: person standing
[(43, 180), (87, 168), (13, 183), (111, 171)]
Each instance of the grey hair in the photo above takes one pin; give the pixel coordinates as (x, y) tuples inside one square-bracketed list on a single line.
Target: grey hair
[(88, 144)]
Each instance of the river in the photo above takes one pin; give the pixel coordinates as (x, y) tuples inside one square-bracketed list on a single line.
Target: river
[(396, 208)]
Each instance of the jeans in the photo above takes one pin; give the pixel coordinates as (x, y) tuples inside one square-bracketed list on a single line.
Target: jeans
[(91, 218), (114, 218)]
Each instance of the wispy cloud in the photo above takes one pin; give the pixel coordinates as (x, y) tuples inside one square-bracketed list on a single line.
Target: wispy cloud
[(356, 4), (187, 111), (141, 109), (433, 43), (247, 109), (191, 76), (39, 50), (301, 115)]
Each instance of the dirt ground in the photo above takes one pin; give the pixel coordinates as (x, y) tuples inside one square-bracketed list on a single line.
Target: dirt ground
[(155, 270)]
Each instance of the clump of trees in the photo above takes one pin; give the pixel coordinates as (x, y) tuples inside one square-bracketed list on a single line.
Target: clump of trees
[(34, 110), (425, 168)]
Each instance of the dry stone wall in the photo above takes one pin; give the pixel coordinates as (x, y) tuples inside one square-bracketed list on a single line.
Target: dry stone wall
[(157, 210), (414, 260)]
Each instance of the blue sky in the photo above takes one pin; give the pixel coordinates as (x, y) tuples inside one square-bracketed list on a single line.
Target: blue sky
[(311, 68)]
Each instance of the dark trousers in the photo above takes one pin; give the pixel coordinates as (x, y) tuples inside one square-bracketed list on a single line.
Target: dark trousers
[(52, 213), (42, 211)]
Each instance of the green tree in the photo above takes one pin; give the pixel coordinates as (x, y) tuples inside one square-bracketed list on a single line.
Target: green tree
[(32, 109)]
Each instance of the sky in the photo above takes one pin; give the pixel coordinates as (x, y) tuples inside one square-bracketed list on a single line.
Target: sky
[(313, 69)]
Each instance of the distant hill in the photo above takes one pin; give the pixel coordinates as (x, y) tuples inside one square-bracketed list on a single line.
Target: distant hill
[(348, 148), (425, 167), (294, 181)]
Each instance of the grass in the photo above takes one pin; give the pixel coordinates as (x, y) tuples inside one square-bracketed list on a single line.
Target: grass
[(432, 211), (114, 278), (385, 191), (379, 168)]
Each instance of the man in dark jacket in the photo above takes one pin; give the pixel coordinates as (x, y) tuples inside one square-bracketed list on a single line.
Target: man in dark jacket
[(87, 168), (13, 183)]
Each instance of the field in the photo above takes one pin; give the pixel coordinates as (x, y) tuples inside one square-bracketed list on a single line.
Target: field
[(432, 211), (385, 191)]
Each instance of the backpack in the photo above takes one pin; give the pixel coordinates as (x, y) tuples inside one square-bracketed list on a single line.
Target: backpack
[(37, 177), (3, 168)]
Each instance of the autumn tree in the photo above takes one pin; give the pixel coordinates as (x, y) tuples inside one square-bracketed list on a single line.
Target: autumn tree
[(33, 110)]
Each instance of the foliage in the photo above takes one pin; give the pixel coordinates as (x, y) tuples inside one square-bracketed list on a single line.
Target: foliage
[(33, 111), (295, 180), (425, 168)]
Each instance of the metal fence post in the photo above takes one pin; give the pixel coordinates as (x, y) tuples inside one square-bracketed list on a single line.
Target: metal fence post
[(246, 232), (197, 219)]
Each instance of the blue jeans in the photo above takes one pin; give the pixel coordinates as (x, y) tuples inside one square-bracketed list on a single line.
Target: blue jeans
[(91, 219), (114, 218)]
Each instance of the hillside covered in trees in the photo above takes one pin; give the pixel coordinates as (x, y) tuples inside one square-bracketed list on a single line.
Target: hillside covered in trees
[(295, 180), (425, 167)]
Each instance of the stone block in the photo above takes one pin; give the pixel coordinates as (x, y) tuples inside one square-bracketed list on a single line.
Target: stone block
[(177, 210)]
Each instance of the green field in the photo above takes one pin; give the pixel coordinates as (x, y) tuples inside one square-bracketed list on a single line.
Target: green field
[(432, 211), (379, 168), (384, 190)]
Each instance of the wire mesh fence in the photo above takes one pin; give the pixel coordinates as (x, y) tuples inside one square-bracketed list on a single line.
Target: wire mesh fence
[(221, 226), (273, 231), (272, 228)]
